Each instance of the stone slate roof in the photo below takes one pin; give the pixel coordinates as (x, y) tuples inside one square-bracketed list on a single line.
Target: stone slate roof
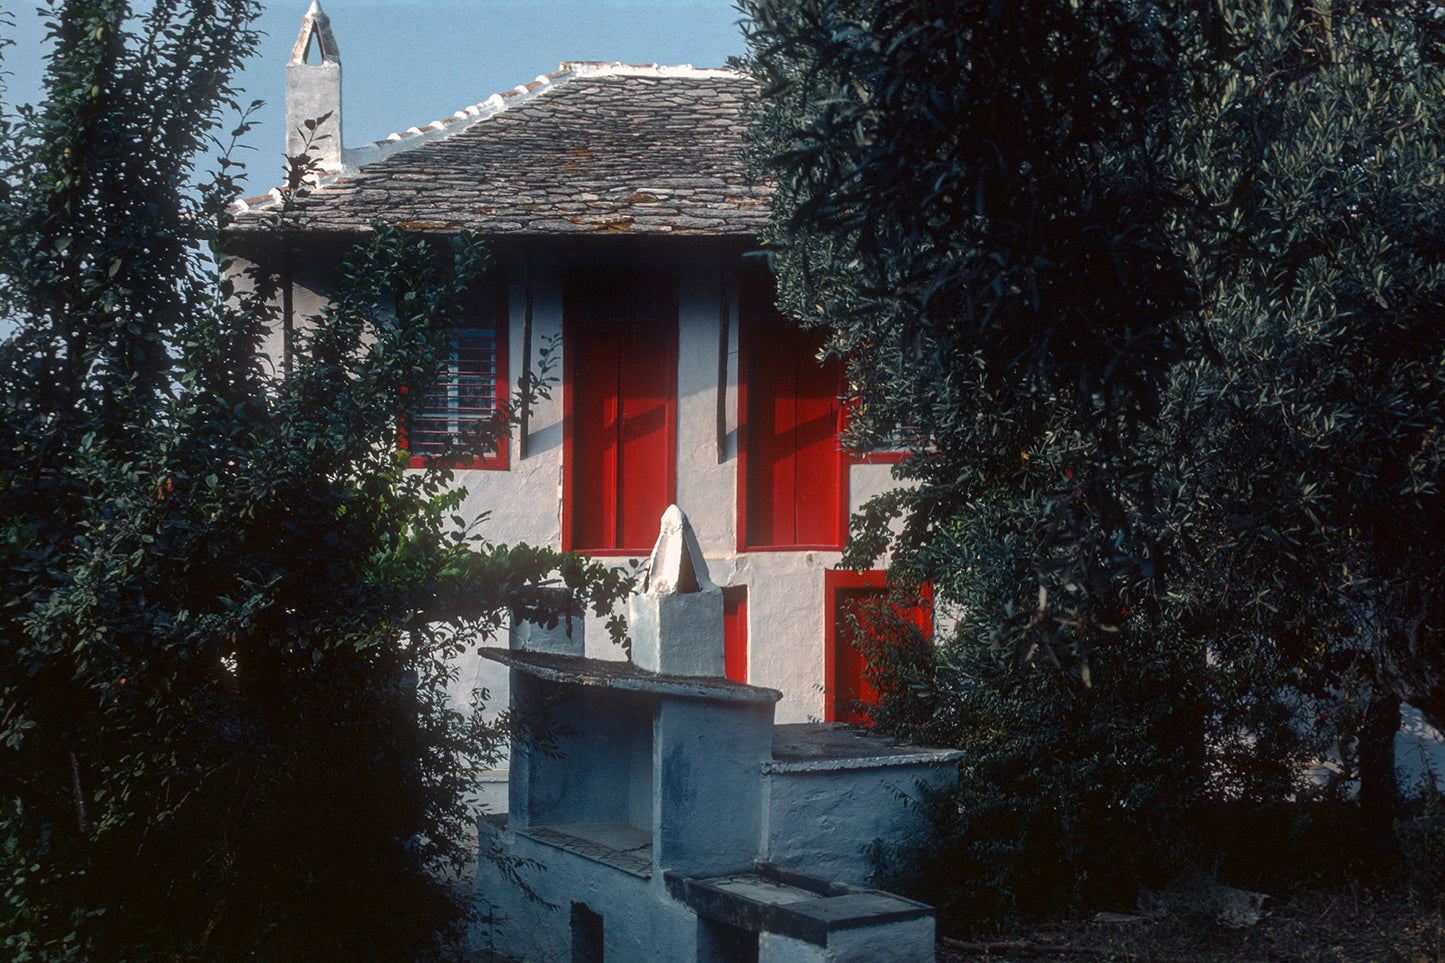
[(605, 150)]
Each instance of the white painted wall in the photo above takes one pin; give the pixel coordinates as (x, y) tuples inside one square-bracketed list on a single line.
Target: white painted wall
[(640, 922), (1419, 751), (821, 818), (524, 503), (910, 941), (785, 589)]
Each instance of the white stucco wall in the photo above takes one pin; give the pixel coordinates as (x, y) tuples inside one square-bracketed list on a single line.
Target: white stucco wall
[(785, 589), (640, 921), (786, 600), (821, 819), (1419, 751), (910, 941)]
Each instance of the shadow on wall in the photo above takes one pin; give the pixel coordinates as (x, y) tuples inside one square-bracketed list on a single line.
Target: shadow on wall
[(543, 440)]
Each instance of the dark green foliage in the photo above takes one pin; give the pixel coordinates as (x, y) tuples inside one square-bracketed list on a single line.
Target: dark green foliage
[(1309, 481), (1158, 289), (1070, 798), (975, 198), (229, 610)]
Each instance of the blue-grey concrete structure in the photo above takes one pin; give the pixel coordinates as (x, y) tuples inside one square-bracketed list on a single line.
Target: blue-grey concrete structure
[(660, 815)]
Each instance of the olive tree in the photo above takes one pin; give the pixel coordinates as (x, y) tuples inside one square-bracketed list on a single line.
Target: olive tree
[(229, 609), (1154, 292)]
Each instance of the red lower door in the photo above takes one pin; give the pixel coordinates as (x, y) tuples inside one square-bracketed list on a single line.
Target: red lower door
[(852, 599)]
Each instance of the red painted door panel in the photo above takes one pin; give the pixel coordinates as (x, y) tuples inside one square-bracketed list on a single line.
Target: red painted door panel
[(850, 596), (817, 458), (620, 373), (735, 632), (594, 465), (794, 489), (850, 687), (771, 469), (643, 465)]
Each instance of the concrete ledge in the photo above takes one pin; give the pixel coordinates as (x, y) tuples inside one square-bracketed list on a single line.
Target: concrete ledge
[(835, 746), (628, 676), (613, 844), (795, 905)]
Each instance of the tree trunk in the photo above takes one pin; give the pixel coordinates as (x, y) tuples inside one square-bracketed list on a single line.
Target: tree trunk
[(1414, 669), (1379, 788)]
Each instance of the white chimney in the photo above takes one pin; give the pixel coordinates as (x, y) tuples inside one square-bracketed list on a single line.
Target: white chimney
[(677, 618), (313, 91)]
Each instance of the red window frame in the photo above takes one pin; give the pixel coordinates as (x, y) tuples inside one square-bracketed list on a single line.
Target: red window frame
[(842, 672), (881, 456), (486, 311), (619, 370), (762, 332), (884, 453)]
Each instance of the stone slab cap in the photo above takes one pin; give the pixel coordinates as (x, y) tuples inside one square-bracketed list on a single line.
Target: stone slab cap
[(677, 618), (676, 564), (628, 677), (798, 906), (315, 25), (836, 746)]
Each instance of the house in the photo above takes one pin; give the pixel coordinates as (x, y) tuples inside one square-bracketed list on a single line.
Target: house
[(623, 221)]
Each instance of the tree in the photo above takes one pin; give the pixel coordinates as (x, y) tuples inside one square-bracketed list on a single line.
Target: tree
[(1157, 287), (975, 199), (229, 609), (1324, 272)]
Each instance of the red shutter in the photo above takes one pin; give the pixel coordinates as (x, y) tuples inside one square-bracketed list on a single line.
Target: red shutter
[(646, 375), (792, 491), (818, 506), (620, 373), (772, 381), (735, 632), (594, 463)]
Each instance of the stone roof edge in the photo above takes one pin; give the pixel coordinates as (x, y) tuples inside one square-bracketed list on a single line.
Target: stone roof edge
[(353, 159)]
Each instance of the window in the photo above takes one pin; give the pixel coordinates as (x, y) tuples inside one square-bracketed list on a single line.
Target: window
[(619, 372), (846, 681), (470, 389), (792, 476)]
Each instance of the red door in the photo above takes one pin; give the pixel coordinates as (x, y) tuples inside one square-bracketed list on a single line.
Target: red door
[(620, 369), (849, 595)]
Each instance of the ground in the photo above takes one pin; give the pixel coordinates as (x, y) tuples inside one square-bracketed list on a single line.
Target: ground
[(1360, 926), (1351, 927)]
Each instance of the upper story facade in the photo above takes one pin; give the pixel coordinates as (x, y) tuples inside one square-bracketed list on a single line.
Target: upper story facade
[(622, 224)]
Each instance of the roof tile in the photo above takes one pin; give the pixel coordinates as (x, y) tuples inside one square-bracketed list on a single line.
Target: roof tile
[(600, 150)]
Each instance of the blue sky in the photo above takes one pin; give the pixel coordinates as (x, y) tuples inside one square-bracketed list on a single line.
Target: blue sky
[(408, 62)]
